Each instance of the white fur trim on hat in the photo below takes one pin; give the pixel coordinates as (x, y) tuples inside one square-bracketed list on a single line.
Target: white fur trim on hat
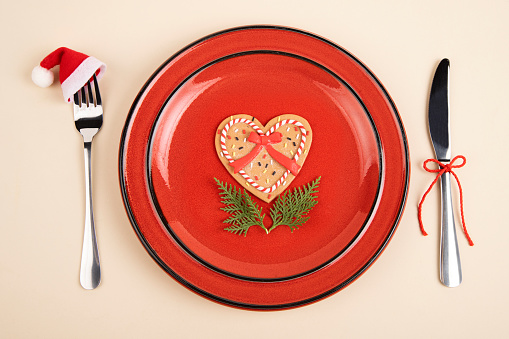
[(42, 77), (81, 75)]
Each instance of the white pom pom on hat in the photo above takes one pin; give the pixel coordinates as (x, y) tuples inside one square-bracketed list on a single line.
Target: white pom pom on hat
[(42, 77), (75, 70)]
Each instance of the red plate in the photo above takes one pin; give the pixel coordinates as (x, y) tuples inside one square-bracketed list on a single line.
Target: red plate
[(183, 162), (168, 163)]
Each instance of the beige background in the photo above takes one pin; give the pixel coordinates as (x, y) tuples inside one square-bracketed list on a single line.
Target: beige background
[(400, 296)]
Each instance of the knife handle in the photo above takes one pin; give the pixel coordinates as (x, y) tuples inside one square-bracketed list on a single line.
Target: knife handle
[(450, 264)]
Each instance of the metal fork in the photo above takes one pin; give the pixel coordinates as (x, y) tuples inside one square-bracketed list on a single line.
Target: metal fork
[(88, 118)]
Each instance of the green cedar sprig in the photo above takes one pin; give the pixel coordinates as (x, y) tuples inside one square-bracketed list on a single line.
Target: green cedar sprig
[(290, 209), (243, 210)]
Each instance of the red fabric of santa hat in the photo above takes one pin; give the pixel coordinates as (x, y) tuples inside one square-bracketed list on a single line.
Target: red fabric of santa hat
[(75, 70)]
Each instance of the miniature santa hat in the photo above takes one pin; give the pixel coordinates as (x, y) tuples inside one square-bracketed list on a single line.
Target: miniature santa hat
[(75, 70)]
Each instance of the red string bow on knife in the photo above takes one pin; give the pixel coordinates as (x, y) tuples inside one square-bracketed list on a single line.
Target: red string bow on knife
[(441, 170)]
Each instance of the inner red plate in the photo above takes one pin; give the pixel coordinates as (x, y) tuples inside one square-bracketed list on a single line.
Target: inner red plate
[(168, 163), (183, 163)]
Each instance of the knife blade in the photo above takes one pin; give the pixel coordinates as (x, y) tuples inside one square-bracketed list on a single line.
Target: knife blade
[(439, 129), (439, 112)]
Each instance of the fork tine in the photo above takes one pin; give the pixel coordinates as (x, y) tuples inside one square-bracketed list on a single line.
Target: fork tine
[(97, 93), (83, 96), (90, 94), (76, 99)]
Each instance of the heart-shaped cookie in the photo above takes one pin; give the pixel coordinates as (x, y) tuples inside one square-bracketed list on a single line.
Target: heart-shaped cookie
[(263, 159)]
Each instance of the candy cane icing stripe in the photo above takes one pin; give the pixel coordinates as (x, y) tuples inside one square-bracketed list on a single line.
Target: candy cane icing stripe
[(224, 132), (252, 124), (302, 129)]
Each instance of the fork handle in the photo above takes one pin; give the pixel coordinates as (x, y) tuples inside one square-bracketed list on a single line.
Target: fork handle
[(450, 265), (90, 272)]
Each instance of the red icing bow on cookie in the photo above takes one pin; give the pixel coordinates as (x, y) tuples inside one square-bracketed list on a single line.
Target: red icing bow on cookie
[(262, 142)]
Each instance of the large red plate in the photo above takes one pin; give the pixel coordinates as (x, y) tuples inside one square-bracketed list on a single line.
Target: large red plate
[(168, 162)]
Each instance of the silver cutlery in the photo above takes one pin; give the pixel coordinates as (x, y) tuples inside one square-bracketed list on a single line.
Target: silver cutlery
[(439, 125), (88, 118)]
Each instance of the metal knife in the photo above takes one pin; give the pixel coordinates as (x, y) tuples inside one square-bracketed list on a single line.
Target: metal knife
[(438, 118)]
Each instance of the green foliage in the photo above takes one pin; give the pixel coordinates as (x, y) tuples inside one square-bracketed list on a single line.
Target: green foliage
[(290, 209), (243, 210)]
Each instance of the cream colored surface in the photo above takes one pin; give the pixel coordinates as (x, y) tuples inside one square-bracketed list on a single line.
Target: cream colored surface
[(400, 296)]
